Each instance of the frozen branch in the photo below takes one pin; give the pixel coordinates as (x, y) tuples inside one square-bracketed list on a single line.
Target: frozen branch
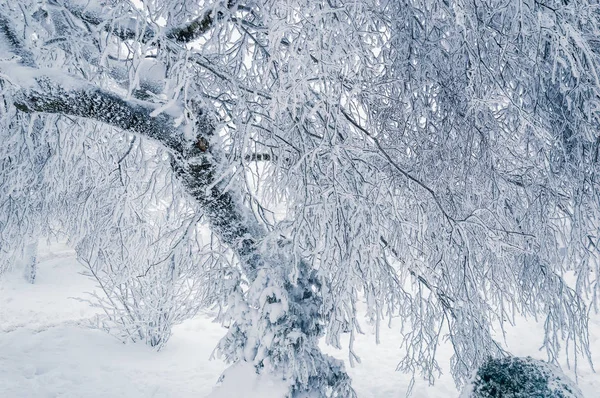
[(90, 102), (198, 26), (12, 39), (395, 165), (86, 13), (183, 34)]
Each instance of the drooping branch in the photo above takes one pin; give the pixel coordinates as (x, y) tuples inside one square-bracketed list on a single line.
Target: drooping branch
[(445, 300)]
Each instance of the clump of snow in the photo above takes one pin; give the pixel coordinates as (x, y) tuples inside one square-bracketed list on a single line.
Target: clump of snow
[(28, 78), (242, 380)]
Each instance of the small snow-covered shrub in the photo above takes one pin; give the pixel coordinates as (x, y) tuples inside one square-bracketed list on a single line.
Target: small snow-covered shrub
[(143, 306), (139, 239), (160, 282), (143, 293), (513, 377)]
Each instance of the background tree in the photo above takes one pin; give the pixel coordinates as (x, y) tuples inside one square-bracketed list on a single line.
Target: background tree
[(437, 160)]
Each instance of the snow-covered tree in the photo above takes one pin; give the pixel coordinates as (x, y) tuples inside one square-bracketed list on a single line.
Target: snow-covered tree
[(436, 159), (513, 377)]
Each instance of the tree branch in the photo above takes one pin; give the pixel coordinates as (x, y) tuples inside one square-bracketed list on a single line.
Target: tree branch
[(14, 41), (195, 164), (80, 10), (198, 26), (405, 173), (90, 102), (442, 297), (182, 34)]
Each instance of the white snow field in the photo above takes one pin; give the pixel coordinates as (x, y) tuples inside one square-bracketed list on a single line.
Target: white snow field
[(47, 350)]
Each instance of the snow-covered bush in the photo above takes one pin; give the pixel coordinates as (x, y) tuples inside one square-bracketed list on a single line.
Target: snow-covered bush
[(276, 313), (162, 281), (143, 305), (142, 244), (513, 377)]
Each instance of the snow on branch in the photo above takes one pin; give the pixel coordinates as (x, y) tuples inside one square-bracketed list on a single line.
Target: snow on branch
[(52, 95), (14, 42), (185, 33), (198, 26), (91, 13)]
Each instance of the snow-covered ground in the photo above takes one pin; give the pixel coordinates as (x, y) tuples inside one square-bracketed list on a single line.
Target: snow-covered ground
[(46, 350)]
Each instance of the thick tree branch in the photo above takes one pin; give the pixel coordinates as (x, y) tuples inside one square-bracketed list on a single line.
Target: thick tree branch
[(185, 33), (195, 163), (195, 28), (198, 26), (88, 101)]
